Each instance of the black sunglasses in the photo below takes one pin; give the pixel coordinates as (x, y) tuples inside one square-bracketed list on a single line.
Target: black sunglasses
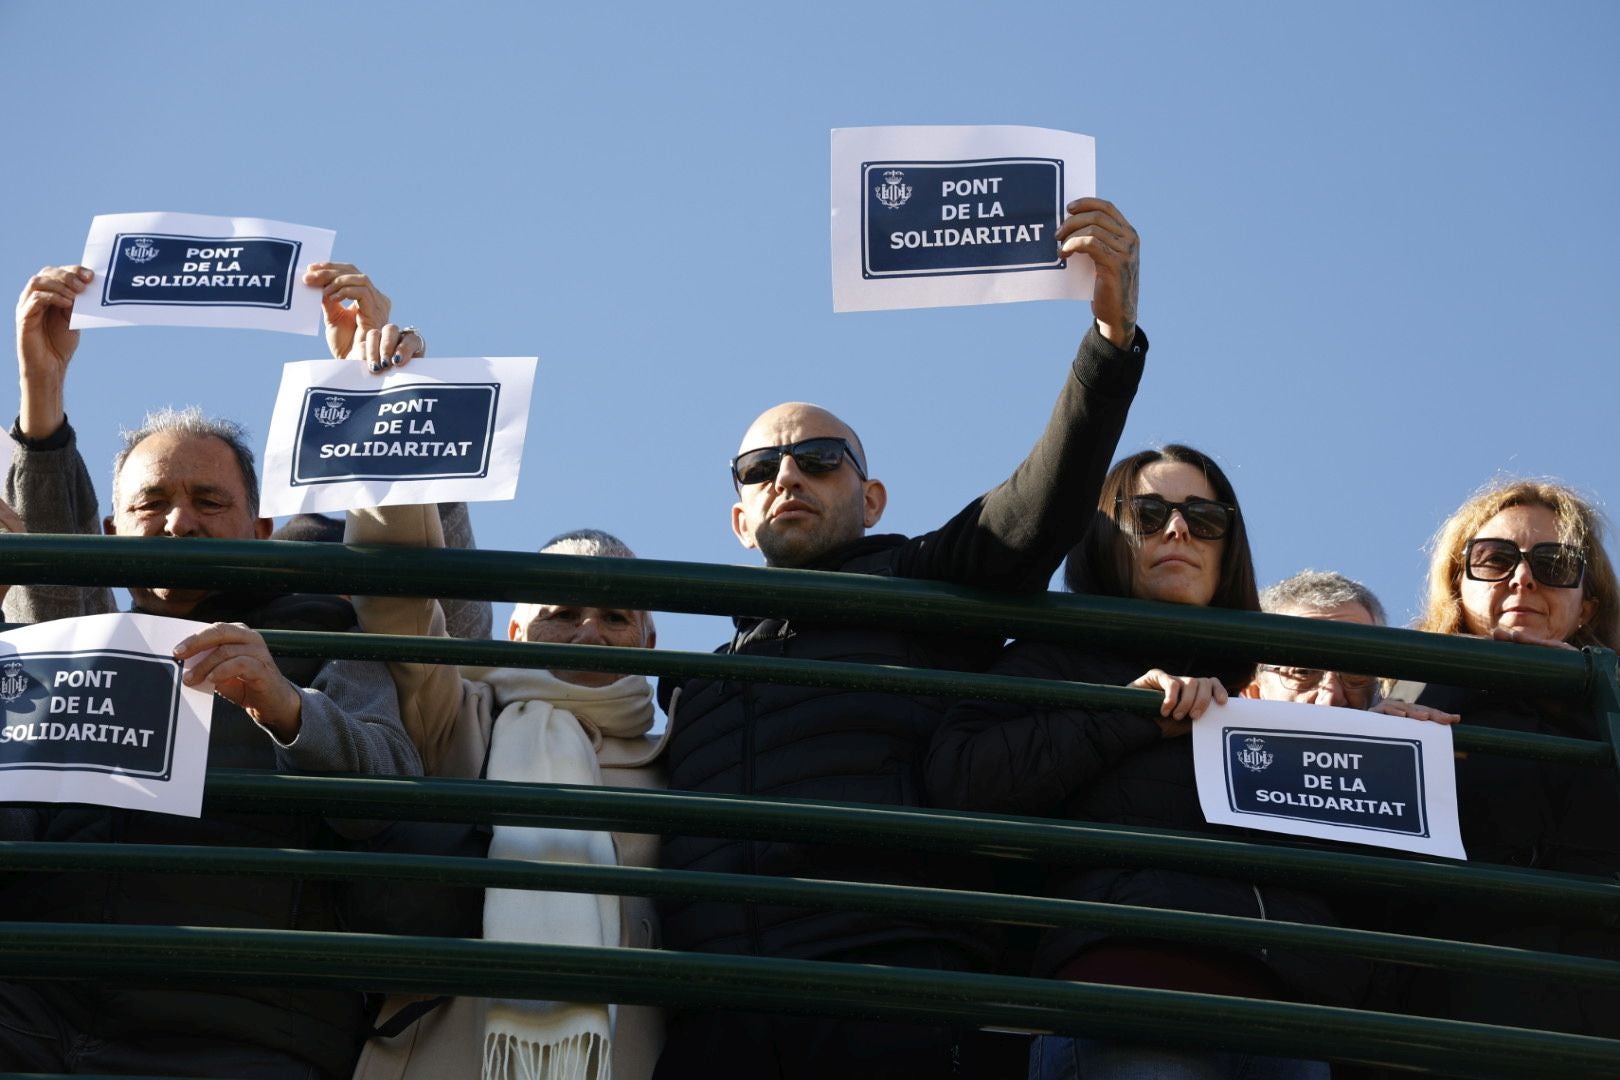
[(1557, 566), (1206, 519), (815, 457)]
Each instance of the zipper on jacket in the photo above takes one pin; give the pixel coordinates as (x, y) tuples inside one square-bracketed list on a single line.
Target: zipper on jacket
[(750, 913)]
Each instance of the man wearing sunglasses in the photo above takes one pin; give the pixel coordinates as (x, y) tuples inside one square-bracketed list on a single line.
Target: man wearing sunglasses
[(1322, 594), (806, 497)]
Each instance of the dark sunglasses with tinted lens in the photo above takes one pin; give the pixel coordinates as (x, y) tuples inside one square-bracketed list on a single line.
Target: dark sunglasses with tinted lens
[(1205, 518), (815, 457), (1557, 566)]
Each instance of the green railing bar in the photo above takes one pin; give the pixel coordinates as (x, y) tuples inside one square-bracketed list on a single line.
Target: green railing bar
[(948, 904), (1574, 897), (833, 674), (192, 956), (804, 594)]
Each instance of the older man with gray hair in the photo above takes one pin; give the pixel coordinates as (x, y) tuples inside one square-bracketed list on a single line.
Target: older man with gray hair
[(1323, 594), (182, 474)]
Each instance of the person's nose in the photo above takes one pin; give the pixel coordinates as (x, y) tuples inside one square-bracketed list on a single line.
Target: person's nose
[(1330, 691), (589, 631), (181, 521), (1522, 577), (1176, 526), (788, 474)]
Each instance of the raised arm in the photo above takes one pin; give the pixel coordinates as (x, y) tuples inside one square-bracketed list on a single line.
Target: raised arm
[(430, 695), (1015, 536), (48, 485)]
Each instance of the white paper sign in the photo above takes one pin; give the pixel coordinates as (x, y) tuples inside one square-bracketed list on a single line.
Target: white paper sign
[(194, 270), (1329, 773), (935, 216), (445, 429), (95, 712)]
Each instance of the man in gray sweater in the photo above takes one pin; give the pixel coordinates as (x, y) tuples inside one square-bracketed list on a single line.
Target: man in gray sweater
[(185, 475)]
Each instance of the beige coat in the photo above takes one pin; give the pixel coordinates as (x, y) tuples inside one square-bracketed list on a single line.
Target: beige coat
[(450, 719)]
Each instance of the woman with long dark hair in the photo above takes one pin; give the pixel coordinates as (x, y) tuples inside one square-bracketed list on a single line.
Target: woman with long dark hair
[(1169, 530)]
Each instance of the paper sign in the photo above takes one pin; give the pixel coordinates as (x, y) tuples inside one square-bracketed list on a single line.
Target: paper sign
[(1329, 773), (441, 430), (192, 270), (95, 712), (933, 216)]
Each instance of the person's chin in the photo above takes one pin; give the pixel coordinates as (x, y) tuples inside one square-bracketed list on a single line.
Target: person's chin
[(588, 678), (173, 603), (790, 547), (1534, 625)]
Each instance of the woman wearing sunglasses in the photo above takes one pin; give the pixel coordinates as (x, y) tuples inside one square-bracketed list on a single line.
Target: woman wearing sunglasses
[(1169, 530), (1524, 562)]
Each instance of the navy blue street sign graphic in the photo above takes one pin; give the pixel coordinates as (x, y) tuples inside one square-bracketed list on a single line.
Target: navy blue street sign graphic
[(1356, 781), (201, 271), (419, 431), (107, 711), (988, 215)]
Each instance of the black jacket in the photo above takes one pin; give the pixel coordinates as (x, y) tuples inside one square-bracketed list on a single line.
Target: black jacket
[(748, 738), (1520, 812), (1113, 767)]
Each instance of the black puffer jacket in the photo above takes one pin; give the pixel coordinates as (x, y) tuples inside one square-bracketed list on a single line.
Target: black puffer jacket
[(1538, 814), (1113, 767), (730, 737)]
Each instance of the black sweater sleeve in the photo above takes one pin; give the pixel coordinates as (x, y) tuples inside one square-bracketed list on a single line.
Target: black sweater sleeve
[(1015, 536)]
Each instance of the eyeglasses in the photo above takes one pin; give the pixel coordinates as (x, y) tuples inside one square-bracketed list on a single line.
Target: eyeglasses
[(815, 457), (1557, 566), (1301, 679), (1205, 518)]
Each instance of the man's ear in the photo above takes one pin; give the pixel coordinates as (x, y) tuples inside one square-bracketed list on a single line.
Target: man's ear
[(652, 638), (1250, 691), (740, 527), (107, 526), (262, 528), (874, 499)]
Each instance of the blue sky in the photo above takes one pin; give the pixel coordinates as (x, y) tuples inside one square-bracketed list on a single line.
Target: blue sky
[(1378, 238)]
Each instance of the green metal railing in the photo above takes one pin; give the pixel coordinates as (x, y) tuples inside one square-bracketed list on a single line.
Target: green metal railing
[(198, 955)]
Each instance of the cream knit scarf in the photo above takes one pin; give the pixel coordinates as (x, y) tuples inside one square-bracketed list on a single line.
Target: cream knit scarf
[(547, 731)]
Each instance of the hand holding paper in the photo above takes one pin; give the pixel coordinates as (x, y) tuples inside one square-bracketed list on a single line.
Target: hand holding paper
[(1096, 228), (236, 661), (1186, 698), (346, 327), (45, 345)]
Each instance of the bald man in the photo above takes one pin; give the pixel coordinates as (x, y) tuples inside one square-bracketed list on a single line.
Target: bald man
[(806, 498)]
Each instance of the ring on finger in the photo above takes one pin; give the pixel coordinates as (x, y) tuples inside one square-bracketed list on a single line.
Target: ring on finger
[(421, 342)]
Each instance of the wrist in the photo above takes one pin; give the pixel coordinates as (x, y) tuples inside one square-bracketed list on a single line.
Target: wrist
[(1119, 334)]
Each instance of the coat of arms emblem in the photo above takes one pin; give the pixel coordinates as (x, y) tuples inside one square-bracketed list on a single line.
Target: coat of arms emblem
[(13, 683), (894, 191), (141, 250), (334, 412), (1254, 756)]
